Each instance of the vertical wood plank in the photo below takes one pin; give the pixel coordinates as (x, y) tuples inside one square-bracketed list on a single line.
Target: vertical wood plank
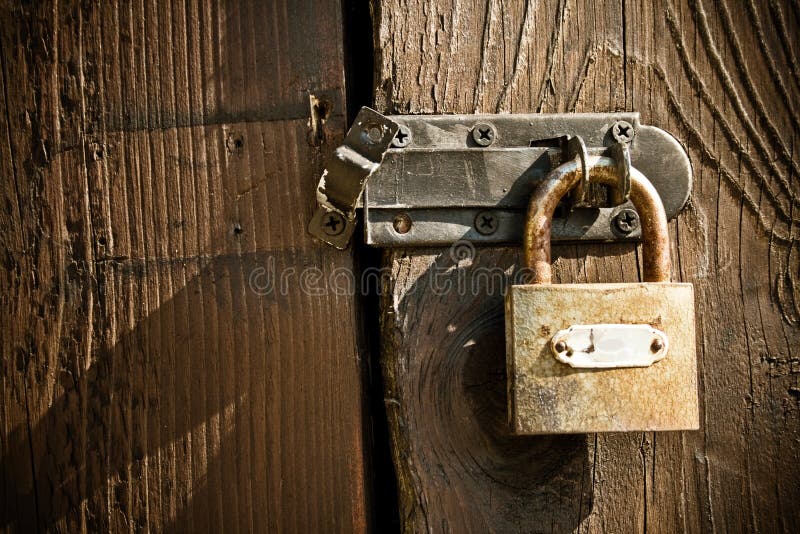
[(157, 173), (721, 76)]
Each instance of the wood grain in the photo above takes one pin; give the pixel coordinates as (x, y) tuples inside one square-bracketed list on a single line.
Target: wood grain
[(158, 167), (722, 77)]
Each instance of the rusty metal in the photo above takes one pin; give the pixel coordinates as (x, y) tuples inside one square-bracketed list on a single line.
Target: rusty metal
[(486, 223), (444, 170), (629, 349), (443, 179), (623, 132), (545, 396), (621, 154), (656, 258), (575, 147), (334, 224), (402, 223), (483, 134), (609, 345), (402, 138), (626, 220), (346, 174)]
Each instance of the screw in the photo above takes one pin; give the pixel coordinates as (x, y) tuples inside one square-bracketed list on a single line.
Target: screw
[(560, 346), (402, 223), (656, 345), (486, 223), (483, 134), (334, 224), (623, 132), (374, 133), (402, 138), (626, 221)]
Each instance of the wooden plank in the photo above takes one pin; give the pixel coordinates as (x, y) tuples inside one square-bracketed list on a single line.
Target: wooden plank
[(158, 170), (726, 85)]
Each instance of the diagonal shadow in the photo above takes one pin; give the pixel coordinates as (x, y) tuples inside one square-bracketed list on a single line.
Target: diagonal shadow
[(178, 424), (447, 395), (448, 406), (152, 424)]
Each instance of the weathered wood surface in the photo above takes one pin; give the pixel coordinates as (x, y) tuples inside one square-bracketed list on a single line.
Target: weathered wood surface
[(723, 77), (158, 167)]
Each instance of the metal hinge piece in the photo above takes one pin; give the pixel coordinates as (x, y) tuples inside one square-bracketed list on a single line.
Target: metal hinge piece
[(343, 180)]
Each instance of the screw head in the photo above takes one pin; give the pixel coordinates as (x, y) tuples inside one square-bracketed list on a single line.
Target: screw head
[(486, 223), (483, 134), (623, 132), (656, 345), (402, 138), (402, 223), (334, 224), (626, 221), (560, 346), (374, 133)]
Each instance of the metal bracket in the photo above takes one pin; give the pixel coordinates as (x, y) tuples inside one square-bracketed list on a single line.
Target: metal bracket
[(453, 177), (343, 181)]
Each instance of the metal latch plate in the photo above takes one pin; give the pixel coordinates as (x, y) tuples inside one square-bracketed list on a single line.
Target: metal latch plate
[(343, 181), (609, 346), (442, 186)]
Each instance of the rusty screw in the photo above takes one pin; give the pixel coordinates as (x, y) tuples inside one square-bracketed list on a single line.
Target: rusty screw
[(626, 221), (560, 346), (402, 223), (374, 133), (486, 223), (334, 224), (483, 134), (623, 132), (402, 138), (656, 345)]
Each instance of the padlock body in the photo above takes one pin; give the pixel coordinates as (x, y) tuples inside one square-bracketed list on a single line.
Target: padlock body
[(546, 396)]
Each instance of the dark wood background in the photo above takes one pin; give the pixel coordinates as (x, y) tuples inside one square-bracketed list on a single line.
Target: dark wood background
[(155, 157), (158, 162), (722, 76)]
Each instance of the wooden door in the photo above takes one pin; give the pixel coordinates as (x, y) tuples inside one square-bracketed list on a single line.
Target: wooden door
[(158, 164), (165, 368), (723, 77)]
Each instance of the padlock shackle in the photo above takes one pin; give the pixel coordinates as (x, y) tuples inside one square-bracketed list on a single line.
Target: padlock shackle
[(602, 170)]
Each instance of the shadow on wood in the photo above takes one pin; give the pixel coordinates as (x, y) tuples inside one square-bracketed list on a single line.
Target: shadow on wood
[(187, 424), (444, 366)]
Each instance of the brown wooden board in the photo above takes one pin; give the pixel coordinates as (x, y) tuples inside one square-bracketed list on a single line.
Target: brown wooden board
[(158, 164), (723, 77)]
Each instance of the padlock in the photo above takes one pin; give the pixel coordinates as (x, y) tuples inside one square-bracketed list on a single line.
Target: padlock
[(587, 358)]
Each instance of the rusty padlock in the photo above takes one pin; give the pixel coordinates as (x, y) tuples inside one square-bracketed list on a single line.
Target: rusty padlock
[(600, 357)]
